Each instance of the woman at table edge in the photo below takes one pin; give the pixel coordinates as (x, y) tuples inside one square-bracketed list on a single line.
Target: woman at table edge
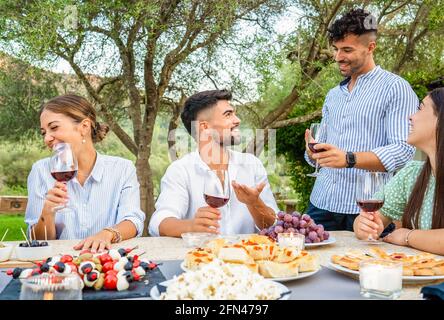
[(108, 185), (415, 195)]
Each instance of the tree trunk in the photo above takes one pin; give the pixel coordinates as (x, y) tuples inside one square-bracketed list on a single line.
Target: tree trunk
[(174, 123), (144, 175)]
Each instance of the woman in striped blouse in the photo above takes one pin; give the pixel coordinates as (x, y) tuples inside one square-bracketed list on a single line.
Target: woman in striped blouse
[(104, 204), (415, 195)]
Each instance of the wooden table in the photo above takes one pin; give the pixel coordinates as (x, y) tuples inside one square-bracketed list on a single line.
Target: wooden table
[(167, 248)]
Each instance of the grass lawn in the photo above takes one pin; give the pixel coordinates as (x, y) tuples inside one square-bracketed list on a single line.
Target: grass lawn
[(13, 222)]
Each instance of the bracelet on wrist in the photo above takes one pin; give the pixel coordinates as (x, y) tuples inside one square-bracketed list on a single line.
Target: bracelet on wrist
[(117, 237), (407, 237)]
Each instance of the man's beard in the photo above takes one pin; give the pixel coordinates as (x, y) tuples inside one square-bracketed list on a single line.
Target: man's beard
[(354, 67), (230, 141)]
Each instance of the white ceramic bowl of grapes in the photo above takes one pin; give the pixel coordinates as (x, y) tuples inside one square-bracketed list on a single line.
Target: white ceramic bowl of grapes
[(5, 251), (33, 250), (296, 222)]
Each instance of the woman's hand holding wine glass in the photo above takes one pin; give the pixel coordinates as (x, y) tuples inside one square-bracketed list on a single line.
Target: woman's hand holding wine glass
[(57, 197), (369, 225), (63, 168), (370, 198)]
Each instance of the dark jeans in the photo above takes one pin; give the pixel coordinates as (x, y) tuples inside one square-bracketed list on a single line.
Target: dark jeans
[(332, 221)]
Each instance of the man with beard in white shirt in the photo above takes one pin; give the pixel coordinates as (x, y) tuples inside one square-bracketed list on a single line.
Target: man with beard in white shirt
[(211, 120)]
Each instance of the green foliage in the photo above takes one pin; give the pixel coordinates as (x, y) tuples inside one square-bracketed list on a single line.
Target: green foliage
[(38, 31), (420, 79), (291, 143), (22, 91), (16, 161), (141, 44), (112, 146), (13, 223), (290, 140), (17, 190), (159, 159)]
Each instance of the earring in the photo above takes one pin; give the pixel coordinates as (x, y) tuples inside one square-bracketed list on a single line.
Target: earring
[(83, 140)]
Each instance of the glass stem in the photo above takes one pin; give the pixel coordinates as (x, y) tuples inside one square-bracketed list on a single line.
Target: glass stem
[(370, 237)]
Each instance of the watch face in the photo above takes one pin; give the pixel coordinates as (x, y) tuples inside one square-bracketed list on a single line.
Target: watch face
[(350, 159)]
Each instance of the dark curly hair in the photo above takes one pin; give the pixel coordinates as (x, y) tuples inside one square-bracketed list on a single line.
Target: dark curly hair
[(201, 101), (357, 21)]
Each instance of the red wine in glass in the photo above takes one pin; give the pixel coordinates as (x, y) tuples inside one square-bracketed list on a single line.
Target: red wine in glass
[(370, 192), (215, 202), (64, 176), (311, 147), (63, 166), (315, 133), (216, 188), (370, 205)]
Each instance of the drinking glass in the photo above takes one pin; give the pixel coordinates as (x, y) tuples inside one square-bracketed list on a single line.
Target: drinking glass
[(370, 193), (217, 188), (63, 166), (51, 286), (315, 133), (293, 240), (380, 278)]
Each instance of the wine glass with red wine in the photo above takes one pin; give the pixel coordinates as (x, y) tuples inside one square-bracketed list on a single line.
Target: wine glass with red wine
[(370, 192), (217, 188), (315, 132), (63, 165)]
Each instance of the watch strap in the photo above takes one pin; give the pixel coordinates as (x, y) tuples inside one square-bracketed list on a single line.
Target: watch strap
[(350, 158)]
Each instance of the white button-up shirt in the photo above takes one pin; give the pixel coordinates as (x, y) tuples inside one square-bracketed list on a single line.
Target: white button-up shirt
[(109, 196), (182, 187)]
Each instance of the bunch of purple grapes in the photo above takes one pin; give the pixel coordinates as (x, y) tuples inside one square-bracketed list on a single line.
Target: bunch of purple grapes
[(297, 223)]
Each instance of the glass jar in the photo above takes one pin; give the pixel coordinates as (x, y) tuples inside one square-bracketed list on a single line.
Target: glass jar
[(380, 278)]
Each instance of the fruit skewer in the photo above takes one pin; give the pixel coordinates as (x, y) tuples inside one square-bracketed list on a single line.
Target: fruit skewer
[(26, 238), (4, 235)]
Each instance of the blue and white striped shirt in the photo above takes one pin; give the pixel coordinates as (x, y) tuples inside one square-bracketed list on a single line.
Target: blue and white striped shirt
[(374, 117), (109, 196)]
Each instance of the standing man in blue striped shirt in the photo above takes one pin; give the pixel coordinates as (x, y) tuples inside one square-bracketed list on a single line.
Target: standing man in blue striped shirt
[(365, 119)]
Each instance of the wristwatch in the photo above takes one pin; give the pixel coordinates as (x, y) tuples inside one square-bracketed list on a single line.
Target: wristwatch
[(350, 158)]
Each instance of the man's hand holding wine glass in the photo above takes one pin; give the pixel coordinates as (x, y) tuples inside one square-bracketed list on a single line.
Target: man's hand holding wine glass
[(216, 194), (308, 139), (206, 219), (329, 155)]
